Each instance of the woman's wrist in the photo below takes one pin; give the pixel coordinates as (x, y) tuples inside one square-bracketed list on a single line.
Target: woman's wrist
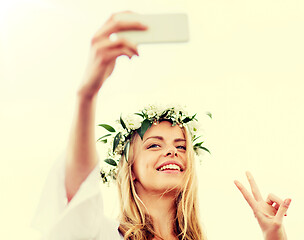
[(278, 234), (85, 96)]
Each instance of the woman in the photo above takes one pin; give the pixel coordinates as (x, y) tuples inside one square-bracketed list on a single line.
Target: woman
[(156, 177)]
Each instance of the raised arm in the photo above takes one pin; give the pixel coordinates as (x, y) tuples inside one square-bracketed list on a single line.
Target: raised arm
[(81, 155)]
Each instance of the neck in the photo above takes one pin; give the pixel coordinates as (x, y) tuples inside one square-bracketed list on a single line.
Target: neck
[(161, 208)]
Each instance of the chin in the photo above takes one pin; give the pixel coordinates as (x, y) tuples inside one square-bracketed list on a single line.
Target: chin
[(170, 187), (167, 182)]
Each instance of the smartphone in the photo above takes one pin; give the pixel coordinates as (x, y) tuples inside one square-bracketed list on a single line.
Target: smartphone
[(162, 28)]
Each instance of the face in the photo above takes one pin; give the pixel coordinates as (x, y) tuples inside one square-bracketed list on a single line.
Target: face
[(160, 159)]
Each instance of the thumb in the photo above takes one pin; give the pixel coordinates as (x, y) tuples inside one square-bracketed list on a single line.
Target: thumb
[(283, 208)]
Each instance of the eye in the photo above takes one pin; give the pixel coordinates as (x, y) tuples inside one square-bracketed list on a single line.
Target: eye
[(181, 147), (153, 146)]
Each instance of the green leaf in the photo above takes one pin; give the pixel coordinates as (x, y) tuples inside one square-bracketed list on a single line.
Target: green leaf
[(201, 147), (126, 150), (198, 144), (108, 127), (129, 136), (104, 141), (209, 114), (196, 138), (111, 162), (193, 117), (116, 140), (187, 119), (146, 124), (107, 135), (139, 114), (102, 174), (122, 123), (164, 114)]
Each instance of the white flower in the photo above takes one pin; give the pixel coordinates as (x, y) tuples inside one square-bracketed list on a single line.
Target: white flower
[(123, 134), (193, 126), (200, 152), (150, 113), (110, 145), (179, 108), (159, 109), (133, 121), (119, 149)]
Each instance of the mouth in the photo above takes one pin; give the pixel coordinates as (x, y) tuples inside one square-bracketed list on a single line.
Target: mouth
[(170, 168)]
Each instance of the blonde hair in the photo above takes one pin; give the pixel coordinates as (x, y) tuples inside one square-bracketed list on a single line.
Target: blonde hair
[(136, 224)]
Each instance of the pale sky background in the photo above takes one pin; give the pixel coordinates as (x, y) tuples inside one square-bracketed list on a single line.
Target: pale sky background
[(244, 63)]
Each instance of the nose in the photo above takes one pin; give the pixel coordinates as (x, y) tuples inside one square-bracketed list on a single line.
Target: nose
[(171, 152)]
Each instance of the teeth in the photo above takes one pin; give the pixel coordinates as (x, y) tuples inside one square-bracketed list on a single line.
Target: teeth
[(170, 166)]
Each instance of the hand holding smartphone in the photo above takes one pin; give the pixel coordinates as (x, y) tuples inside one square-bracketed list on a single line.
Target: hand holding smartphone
[(162, 28)]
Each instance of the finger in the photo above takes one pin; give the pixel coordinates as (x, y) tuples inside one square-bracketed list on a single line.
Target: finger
[(250, 200), (254, 187), (118, 26), (114, 14), (274, 200), (123, 43), (106, 44), (110, 56), (113, 25), (105, 47), (272, 211), (283, 209)]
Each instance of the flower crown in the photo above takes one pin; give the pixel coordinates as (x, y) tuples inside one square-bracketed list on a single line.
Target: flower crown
[(119, 141)]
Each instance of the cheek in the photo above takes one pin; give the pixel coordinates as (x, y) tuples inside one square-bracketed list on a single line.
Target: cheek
[(138, 167), (135, 170), (142, 166)]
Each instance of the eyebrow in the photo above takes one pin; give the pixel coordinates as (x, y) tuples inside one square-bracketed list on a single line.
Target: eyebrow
[(161, 138)]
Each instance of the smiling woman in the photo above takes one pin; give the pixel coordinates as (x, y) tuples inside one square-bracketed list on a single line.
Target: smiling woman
[(160, 177)]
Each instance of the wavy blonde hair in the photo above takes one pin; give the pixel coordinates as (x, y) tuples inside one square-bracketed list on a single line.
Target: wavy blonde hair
[(136, 224)]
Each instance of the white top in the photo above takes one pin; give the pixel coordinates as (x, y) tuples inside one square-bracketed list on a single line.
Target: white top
[(83, 218)]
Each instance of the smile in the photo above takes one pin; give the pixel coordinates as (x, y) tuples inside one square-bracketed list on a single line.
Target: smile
[(170, 167)]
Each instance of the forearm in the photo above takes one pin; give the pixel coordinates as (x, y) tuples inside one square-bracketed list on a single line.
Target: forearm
[(81, 155), (82, 146)]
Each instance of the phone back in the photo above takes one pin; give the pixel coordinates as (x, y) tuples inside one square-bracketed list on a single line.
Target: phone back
[(162, 28)]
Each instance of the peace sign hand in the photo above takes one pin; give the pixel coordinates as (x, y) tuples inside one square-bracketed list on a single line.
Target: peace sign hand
[(269, 213)]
